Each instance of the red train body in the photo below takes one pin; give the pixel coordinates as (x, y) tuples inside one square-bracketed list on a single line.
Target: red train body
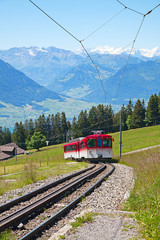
[(95, 147)]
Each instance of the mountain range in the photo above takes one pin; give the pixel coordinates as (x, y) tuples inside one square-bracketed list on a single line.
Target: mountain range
[(33, 76), (19, 90)]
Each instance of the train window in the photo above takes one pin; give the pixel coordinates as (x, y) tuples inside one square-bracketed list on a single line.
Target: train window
[(91, 143), (107, 142), (99, 142), (82, 145), (70, 148)]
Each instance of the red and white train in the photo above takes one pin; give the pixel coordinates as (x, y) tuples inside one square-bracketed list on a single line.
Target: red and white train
[(93, 147)]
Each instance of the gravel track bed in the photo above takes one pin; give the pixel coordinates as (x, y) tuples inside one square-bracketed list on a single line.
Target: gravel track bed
[(33, 223), (109, 223), (40, 195), (13, 194)]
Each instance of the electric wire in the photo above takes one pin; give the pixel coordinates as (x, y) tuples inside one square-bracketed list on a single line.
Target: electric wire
[(98, 73), (133, 10), (125, 67), (121, 49), (152, 10), (76, 40), (54, 21), (103, 24), (80, 41)]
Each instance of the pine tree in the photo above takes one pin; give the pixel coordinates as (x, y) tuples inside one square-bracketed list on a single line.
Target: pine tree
[(6, 135), (57, 126), (64, 128), (40, 124), (138, 115), (92, 116), (48, 128), (1, 136), (129, 108), (108, 119), (100, 114), (124, 118), (18, 135), (153, 110), (52, 137), (74, 130), (82, 123)]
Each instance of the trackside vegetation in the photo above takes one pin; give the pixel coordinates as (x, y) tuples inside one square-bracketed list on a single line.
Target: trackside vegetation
[(87, 217), (31, 168), (135, 139), (145, 197)]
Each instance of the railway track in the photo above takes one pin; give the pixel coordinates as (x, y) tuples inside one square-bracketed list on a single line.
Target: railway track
[(50, 200), (28, 196)]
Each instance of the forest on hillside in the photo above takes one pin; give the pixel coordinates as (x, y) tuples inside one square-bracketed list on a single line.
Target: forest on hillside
[(57, 129)]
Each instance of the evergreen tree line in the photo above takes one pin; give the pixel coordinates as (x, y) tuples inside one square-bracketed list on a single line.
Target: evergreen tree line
[(57, 129), (5, 135)]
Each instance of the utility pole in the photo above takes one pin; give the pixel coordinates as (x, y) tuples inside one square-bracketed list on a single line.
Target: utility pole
[(47, 151), (15, 155), (68, 135), (120, 150)]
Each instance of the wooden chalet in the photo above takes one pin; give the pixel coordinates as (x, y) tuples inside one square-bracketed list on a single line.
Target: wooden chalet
[(10, 150)]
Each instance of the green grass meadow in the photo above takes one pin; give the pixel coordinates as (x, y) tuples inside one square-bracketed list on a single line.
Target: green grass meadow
[(136, 139), (145, 197), (26, 169)]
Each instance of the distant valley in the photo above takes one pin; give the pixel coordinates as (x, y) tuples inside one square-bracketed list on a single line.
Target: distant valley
[(50, 80)]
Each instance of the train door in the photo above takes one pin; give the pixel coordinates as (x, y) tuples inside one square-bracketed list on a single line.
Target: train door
[(77, 150), (99, 148)]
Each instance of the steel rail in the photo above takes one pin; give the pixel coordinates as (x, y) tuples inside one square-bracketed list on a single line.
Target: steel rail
[(15, 217), (32, 234), (27, 196)]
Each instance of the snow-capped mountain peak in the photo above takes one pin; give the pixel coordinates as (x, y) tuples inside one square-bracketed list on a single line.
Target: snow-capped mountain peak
[(149, 53)]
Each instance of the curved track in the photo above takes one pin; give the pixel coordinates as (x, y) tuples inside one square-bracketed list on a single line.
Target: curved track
[(25, 197), (51, 198)]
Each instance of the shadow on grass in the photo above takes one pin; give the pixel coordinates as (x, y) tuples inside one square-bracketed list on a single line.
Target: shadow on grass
[(113, 160)]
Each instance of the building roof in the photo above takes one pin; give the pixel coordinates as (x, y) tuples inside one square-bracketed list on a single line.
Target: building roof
[(4, 156), (6, 149), (9, 148)]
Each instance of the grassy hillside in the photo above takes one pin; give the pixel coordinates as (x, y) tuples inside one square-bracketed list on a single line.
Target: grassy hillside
[(30, 168), (136, 139), (145, 197)]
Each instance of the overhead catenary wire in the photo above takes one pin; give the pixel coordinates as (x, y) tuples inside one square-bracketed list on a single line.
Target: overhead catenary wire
[(80, 41), (125, 67), (133, 10), (77, 41), (124, 70), (98, 73), (97, 29)]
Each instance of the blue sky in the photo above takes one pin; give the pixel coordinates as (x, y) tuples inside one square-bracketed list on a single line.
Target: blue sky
[(22, 24)]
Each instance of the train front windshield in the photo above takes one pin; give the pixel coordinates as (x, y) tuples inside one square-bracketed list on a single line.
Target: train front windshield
[(107, 142)]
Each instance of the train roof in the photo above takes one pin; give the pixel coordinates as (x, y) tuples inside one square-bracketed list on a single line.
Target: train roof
[(89, 136), (76, 139), (98, 135)]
